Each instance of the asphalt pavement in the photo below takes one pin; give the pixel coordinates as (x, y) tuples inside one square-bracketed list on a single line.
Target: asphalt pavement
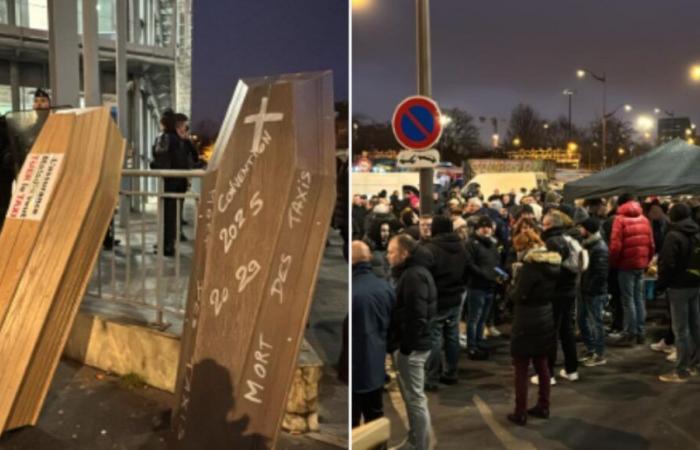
[(618, 406)]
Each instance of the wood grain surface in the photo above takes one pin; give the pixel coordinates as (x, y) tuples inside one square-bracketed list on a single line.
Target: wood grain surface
[(271, 200), (41, 309)]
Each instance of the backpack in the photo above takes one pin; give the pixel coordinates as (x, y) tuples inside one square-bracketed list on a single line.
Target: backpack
[(577, 261), (693, 267)]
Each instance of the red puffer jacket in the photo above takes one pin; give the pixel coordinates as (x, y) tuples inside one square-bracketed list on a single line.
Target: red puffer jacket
[(631, 240)]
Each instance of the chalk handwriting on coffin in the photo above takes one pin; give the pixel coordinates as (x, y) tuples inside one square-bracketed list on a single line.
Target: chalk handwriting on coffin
[(255, 387), (230, 233), (261, 139), (246, 274), (217, 299), (277, 288), (296, 209)]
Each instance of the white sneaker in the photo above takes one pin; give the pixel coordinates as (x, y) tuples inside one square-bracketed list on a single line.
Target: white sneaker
[(463, 341), (573, 376), (536, 380), (672, 357), (493, 331), (661, 346)]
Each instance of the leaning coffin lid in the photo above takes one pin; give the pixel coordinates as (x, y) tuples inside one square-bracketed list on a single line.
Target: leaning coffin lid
[(41, 308), (271, 208)]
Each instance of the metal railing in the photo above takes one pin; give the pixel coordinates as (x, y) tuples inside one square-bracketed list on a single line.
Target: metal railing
[(134, 279)]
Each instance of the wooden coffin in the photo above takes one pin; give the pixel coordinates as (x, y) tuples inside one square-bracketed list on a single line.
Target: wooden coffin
[(266, 207), (50, 241)]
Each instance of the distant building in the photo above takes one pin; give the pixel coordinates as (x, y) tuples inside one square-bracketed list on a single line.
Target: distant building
[(674, 127)]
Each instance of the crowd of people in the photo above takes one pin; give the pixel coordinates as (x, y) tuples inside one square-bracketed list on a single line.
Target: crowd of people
[(428, 289)]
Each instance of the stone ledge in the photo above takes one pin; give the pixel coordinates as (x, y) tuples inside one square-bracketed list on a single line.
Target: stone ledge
[(123, 348)]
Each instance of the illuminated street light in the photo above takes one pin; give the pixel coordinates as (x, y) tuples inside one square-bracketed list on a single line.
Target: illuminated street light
[(572, 146), (580, 73), (628, 108), (545, 126), (360, 5), (445, 120), (645, 123), (688, 131), (647, 135), (516, 142), (621, 151), (694, 72), (691, 141), (495, 139), (692, 125)]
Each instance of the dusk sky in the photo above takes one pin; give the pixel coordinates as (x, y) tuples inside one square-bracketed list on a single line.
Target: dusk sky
[(490, 55), (235, 39)]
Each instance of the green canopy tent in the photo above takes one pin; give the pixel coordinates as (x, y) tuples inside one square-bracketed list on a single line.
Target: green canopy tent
[(671, 169)]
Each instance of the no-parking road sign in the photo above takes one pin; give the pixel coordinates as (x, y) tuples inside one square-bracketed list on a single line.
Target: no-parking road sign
[(416, 123)]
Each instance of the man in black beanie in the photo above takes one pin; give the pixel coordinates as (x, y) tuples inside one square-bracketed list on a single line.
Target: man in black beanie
[(594, 293), (679, 273), (482, 261), (449, 259)]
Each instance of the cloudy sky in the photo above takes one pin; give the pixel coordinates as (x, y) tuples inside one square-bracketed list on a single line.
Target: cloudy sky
[(490, 55)]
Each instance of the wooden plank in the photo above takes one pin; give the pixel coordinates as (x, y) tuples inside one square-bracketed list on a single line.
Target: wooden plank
[(33, 301), (273, 199), (19, 236), (71, 289), (371, 435)]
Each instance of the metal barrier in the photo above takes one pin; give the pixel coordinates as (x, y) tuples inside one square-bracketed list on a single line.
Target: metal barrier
[(132, 279)]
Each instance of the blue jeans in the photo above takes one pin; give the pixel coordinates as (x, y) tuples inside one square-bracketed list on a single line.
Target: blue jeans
[(479, 302), (685, 319), (444, 330), (632, 296), (590, 322), (411, 370)]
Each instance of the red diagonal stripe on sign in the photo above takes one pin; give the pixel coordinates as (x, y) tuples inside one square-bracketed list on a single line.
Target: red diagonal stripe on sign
[(418, 125)]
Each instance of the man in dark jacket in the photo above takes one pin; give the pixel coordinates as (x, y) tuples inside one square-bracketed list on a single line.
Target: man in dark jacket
[(631, 250), (372, 305), (594, 293), (448, 273), (416, 305), (555, 225), (481, 263), (676, 273)]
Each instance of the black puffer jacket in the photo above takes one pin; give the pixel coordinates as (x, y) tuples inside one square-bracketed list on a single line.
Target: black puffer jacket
[(554, 239), (448, 269), (594, 281), (532, 291), (675, 255), (482, 260), (416, 304)]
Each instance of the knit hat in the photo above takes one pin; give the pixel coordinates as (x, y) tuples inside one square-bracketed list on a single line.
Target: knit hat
[(591, 225), (441, 224), (496, 204), (624, 198), (678, 212), (483, 221)]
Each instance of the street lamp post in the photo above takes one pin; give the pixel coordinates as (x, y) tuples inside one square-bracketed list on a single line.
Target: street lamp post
[(569, 93), (424, 88), (581, 73)]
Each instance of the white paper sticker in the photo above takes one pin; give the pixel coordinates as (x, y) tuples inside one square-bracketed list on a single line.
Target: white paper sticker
[(35, 185)]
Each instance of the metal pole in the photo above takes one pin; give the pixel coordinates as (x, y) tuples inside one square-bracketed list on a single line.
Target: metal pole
[(91, 58), (122, 99), (424, 88), (64, 58), (570, 95), (605, 121)]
